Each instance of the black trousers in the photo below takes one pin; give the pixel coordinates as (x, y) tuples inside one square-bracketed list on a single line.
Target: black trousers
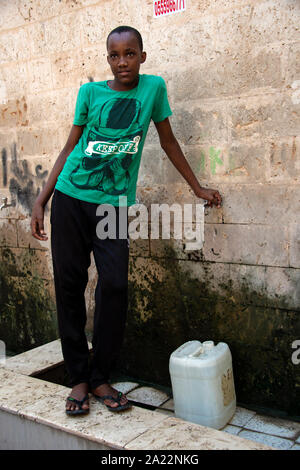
[(73, 238)]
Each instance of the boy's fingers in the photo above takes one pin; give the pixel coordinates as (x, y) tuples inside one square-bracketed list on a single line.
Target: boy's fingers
[(41, 226), (37, 229)]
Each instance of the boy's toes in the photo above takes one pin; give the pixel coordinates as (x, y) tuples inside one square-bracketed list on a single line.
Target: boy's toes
[(85, 405), (123, 400)]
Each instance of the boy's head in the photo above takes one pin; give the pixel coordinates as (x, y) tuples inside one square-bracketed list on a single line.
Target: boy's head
[(127, 29), (125, 54)]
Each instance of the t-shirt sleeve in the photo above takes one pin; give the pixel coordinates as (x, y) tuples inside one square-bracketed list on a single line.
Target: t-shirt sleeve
[(161, 109), (82, 107)]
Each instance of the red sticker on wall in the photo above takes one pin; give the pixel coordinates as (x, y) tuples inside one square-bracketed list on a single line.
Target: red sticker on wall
[(168, 7)]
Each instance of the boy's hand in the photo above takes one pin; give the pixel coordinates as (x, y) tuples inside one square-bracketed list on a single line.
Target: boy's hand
[(211, 195), (37, 222)]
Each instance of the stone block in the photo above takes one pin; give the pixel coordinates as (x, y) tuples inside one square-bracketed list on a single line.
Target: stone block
[(39, 75), (228, 75), (186, 245), (63, 134), (284, 157), (52, 106), (32, 11), (283, 287), (258, 204), (152, 137), (177, 434), (246, 284), (55, 34), (200, 159), (139, 247), (245, 117), (295, 245), (38, 140), (273, 115), (14, 113), (243, 162), (281, 118), (213, 278), (73, 68), (12, 45), (8, 233), (25, 262), (95, 24), (292, 66), (14, 81), (152, 169), (11, 16), (161, 194), (195, 125), (231, 28), (268, 18), (246, 244)]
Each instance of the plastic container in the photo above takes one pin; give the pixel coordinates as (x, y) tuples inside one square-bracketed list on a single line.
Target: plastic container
[(202, 383)]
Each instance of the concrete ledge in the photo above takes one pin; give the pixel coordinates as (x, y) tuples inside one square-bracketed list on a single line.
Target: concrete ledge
[(37, 360), (32, 416)]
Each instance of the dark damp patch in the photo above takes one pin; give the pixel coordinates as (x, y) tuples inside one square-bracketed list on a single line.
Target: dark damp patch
[(165, 313), (27, 311)]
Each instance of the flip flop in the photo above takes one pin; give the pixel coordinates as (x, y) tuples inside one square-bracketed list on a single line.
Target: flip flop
[(117, 400), (81, 411)]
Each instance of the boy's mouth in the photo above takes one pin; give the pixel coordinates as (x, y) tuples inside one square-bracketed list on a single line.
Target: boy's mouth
[(124, 73)]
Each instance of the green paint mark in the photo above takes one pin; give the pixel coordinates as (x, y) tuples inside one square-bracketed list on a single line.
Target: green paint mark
[(214, 159), (201, 163)]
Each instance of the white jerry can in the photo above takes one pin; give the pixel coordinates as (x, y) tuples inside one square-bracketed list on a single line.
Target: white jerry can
[(202, 383)]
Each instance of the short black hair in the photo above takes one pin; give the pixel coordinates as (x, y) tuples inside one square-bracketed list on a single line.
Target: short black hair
[(127, 29)]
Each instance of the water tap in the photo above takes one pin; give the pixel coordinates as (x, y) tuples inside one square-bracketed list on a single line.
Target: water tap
[(4, 205)]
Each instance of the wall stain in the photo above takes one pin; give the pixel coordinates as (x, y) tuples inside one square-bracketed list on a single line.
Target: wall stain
[(168, 307), (27, 309), (24, 186)]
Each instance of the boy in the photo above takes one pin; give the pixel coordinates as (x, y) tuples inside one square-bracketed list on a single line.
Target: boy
[(100, 162)]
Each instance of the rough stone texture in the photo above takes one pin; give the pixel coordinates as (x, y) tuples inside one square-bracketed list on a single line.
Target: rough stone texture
[(233, 77)]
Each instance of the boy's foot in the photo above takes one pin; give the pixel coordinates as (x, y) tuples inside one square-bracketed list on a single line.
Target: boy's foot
[(106, 389), (78, 392)]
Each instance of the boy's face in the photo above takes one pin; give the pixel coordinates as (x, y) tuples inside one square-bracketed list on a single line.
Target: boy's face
[(125, 57)]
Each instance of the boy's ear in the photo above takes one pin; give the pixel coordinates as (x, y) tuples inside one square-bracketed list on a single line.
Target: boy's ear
[(144, 56)]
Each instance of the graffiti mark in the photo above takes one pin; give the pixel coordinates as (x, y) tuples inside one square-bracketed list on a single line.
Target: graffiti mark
[(4, 167), (214, 159), (38, 174), (24, 186)]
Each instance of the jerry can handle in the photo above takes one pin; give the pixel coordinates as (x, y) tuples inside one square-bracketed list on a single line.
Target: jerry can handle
[(197, 352)]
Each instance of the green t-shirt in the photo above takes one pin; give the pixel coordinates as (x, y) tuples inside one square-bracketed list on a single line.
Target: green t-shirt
[(104, 164)]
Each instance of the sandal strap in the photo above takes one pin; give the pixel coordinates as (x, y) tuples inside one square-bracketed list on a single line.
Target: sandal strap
[(78, 402), (110, 397)]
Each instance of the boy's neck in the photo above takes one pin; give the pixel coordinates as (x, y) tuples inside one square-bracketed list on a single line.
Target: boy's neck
[(117, 86)]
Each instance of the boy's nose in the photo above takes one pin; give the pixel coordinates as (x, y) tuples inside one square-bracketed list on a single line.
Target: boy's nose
[(122, 61)]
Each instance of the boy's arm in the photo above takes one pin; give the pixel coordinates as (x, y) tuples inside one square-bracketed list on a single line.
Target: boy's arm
[(37, 217), (172, 148)]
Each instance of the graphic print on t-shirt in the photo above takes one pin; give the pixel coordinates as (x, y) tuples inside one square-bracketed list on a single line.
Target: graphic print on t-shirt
[(108, 158)]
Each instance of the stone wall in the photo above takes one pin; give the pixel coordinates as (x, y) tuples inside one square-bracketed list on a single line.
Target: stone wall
[(233, 77)]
